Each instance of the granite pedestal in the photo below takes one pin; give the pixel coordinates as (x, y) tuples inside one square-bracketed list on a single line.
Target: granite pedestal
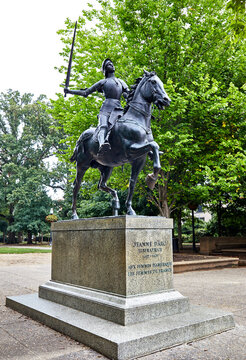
[(111, 288)]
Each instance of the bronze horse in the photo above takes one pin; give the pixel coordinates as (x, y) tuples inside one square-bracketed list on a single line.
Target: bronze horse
[(130, 138)]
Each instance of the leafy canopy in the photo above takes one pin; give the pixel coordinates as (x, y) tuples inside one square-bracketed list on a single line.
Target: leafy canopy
[(188, 44), (27, 141)]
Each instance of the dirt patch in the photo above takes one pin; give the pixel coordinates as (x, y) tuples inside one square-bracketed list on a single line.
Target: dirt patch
[(24, 259)]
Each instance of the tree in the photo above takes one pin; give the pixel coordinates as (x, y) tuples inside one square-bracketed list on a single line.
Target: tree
[(186, 43), (31, 210), (199, 69), (99, 204), (27, 141)]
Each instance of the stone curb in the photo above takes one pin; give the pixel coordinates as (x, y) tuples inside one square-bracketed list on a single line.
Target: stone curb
[(183, 266)]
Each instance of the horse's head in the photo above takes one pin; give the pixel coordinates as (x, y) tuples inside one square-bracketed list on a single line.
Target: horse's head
[(152, 90)]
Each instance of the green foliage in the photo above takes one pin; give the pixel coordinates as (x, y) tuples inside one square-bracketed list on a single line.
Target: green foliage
[(99, 204), (203, 132), (200, 226), (237, 25), (233, 220), (27, 141), (30, 213), (12, 250)]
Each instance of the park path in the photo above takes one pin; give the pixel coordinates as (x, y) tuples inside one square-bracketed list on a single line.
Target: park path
[(24, 339)]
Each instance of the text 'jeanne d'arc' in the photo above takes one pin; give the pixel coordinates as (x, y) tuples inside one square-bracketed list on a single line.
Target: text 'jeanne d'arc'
[(139, 244)]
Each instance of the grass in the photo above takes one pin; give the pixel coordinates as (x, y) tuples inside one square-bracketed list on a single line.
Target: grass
[(13, 250)]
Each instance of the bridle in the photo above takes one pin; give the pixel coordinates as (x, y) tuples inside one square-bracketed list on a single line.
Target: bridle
[(134, 105)]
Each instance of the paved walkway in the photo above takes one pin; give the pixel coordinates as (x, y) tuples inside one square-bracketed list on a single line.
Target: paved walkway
[(24, 339)]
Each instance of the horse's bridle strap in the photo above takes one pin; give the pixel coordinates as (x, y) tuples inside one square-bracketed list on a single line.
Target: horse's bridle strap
[(145, 113)]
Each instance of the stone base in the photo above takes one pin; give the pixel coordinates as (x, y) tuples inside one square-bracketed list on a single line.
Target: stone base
[(111, 288), (119, 309), (124, 342)]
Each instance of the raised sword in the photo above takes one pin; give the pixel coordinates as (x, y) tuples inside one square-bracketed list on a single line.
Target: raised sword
[(70, 60)]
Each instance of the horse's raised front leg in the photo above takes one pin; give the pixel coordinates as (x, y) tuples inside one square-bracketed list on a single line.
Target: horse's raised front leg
[(152, 178), (137, 166), (77, 182), (140, 149), (106, 172)]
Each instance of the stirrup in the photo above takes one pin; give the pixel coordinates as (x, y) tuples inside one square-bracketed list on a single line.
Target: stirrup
[(105, 147)]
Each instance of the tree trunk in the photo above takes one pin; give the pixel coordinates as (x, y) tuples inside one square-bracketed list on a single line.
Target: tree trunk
[(219, 218), (11, 235), (11, 238), (173, 217), (29, 237), (19, 237), (165, 209), (179, 223), (193, 233), (161, 201)]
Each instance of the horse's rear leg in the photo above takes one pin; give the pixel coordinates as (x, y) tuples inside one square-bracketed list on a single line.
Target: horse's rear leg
[(137, 166), (77, 182), (106, 172)]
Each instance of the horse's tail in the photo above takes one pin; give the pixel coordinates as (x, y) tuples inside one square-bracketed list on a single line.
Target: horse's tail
[(79, 148)]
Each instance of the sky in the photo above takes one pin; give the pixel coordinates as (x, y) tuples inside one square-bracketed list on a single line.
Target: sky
[(30, 46)]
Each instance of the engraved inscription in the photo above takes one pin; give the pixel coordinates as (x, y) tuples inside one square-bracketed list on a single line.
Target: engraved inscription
[(149, 250), (149, 246), (148, 269)]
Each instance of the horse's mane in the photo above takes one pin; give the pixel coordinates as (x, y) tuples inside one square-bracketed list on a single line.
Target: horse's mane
[(133, 88)]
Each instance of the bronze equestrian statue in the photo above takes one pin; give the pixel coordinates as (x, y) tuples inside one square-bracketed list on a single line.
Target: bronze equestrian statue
[(121, 137), (130, 141)]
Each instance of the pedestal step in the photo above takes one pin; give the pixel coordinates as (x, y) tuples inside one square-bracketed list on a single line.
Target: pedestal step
[(119, 309), (124, 342)]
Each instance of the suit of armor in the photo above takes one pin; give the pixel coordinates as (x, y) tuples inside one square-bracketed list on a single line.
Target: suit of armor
[(112, 88)]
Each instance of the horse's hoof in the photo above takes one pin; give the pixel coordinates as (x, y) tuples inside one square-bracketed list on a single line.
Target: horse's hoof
[(75, 216), (131, 212), (150, 180)]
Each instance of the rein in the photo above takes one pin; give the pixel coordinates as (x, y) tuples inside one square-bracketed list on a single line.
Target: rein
[(143, 112)]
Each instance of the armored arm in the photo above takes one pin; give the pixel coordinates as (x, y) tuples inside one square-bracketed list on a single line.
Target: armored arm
[(125, 90), (81, 92), (85, 92)]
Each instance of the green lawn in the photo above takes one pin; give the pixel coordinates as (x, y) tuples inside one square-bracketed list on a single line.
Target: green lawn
[(13, 250)]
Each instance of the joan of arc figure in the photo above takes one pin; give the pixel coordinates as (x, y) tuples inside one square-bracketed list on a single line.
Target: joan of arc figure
[(112, 88)]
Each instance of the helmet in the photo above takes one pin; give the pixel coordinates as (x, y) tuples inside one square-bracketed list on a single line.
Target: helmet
[(104, 64)]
